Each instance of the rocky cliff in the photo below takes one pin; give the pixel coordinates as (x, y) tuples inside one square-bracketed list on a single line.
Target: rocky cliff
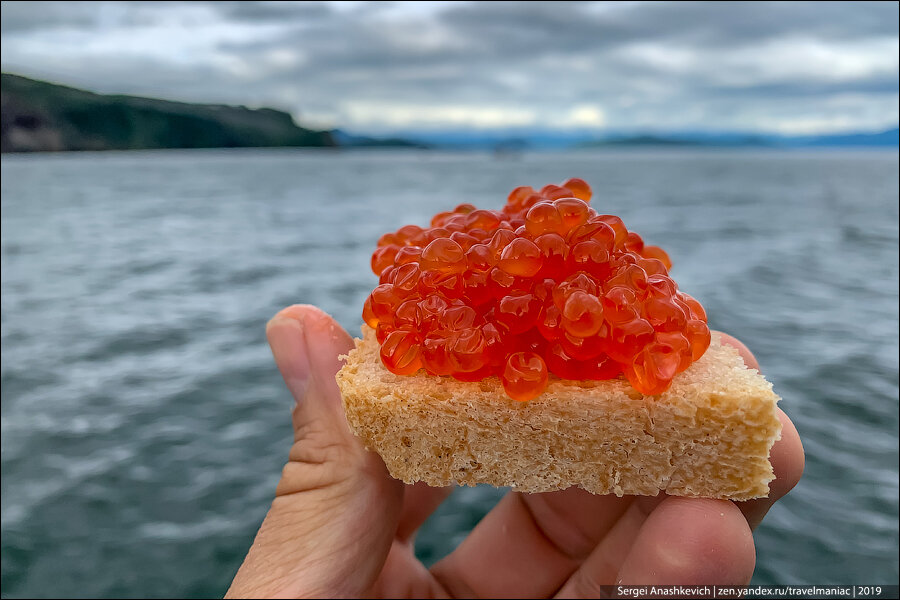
[(41, 116)]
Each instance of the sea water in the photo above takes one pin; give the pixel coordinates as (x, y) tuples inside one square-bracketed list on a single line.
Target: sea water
[(144, 424)]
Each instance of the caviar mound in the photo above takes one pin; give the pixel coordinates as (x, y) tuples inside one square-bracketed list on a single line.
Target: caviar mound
[(546, 285)]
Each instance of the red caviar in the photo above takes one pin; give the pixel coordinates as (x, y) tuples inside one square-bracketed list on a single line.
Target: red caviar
[(545, 286)]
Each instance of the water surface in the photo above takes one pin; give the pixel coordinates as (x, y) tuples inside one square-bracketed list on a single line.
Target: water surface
[(144, 424)]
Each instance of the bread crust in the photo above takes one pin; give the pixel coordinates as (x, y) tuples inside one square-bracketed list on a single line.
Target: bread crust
[(708, 436)]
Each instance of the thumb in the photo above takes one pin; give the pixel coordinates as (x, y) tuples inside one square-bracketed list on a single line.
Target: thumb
[(335, 513), (307, 344)]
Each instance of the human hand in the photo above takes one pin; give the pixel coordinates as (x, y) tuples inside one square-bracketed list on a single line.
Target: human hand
[(340, 526)]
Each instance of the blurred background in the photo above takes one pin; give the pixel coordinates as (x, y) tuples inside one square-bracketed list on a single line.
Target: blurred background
[(174, 173)]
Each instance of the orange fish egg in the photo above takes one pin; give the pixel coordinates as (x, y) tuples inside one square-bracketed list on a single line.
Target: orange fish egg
[(544, 288)]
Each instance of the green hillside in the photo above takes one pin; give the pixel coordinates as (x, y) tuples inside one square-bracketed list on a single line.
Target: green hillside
[(41, 116)]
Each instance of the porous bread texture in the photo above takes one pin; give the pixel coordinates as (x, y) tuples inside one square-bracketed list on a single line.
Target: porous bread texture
[(708, 436)]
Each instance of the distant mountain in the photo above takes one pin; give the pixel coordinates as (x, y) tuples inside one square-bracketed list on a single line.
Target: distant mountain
[(348, 140), (889, 138), (501, 139), (543, 139), (703, 139), (644, 140), (36, 116)]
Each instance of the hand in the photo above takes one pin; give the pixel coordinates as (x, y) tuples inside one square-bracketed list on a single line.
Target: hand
[(340, 526)]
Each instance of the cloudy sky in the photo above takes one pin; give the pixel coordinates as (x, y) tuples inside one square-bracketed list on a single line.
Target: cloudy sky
[(377, 67)]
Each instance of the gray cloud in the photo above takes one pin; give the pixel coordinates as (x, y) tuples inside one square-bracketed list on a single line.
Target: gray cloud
[(26, 16), (273, 11), (382, 65)]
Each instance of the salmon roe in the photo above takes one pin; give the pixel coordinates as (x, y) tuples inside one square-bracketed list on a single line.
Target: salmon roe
[(545, 287)]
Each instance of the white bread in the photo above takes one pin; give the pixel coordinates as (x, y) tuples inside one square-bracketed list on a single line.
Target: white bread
[(708, 436)]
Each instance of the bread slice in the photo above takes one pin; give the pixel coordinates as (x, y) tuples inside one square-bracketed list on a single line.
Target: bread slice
[(708, 436)]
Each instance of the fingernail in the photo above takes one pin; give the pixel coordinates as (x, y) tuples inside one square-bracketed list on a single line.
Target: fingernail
[(287, 339)]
